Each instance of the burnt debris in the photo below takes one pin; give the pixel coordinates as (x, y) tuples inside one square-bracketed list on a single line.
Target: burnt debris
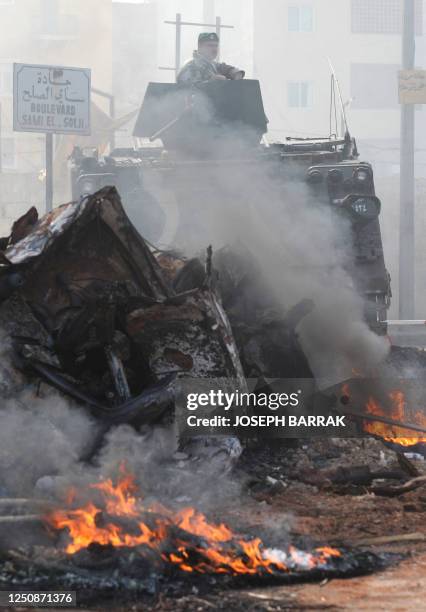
[(87, 308)]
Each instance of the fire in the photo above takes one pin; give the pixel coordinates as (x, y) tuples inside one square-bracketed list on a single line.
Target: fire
[(184, 537), (390, 433)]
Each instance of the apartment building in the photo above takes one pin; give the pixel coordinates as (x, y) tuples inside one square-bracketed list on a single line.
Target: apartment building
[(362, 40), (294, 43)]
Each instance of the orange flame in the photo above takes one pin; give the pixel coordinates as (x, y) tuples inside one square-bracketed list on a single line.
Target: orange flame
[(184, 538), (391, 433)]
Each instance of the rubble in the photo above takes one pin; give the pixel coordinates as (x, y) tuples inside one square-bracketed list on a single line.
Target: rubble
[(89, 308), (94, 316)]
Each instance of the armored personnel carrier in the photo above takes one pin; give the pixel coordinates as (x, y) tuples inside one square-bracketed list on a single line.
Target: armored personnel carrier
[(194, 144)]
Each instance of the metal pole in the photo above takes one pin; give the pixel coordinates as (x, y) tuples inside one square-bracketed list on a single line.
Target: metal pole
[(178, 41), (49, 172), (178, 23), (218, 28), (1, 158), (407, 259)]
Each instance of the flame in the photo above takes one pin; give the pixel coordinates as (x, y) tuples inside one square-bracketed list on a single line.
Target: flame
[(397, 412), (391, 433), (184, 537)]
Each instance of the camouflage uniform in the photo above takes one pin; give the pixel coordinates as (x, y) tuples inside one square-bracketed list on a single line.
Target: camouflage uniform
[(200, 69)]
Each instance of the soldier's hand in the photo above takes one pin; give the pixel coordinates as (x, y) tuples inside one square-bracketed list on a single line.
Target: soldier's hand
[(238, 76), (218, 77)]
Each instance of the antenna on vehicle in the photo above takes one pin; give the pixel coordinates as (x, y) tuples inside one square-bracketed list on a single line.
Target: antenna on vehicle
[(339, 93), (333, 110)]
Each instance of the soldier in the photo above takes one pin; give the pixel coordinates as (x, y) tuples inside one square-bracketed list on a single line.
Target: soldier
[(203, 66)]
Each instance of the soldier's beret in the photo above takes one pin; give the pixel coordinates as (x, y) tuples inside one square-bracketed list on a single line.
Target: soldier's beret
[(206, 36)]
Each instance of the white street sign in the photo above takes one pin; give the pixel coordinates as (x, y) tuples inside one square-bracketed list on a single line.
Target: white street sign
[(51, 99)]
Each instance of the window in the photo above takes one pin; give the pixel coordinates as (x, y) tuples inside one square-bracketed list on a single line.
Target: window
[(8, 154), (374, 86), (382, 16), (53, 25), (299, 94), (6, 79), (300, 19)]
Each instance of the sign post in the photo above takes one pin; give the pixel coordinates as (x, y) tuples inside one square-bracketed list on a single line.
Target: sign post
[(410, 87), (49, 172), (51, 100)]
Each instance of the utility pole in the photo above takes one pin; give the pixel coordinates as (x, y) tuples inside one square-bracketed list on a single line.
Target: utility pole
[(178, 23), (1, 153), (407, 257)]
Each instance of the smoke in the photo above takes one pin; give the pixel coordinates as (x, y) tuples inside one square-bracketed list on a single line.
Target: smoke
[(39, 436), (44, 438), (301, 248)]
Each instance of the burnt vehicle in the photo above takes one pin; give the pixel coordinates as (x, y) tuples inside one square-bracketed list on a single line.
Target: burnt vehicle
[(88, 310), (85, 306), (213, 131)]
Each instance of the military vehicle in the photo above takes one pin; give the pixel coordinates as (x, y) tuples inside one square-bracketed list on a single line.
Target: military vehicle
[(190, 142)]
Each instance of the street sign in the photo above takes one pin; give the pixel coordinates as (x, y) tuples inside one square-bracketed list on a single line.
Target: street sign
[(51, 99), (412, 86)]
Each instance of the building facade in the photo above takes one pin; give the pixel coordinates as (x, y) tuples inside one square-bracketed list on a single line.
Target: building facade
[(294, 43), (135, 46), (361, 39), (59, 32)]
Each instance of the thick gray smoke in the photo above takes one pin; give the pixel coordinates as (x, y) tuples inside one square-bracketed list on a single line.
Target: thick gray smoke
[(301, 247), (44, 439), (39, 436), (301, 250)]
